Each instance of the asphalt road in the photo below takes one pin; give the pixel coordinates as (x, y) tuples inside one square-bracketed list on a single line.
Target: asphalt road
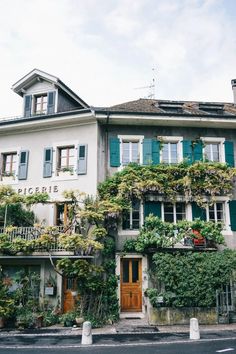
[(201, 347), (158, 343)]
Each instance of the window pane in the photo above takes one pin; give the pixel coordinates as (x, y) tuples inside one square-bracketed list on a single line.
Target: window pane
[(135, 157), (173, 153), (212, 213), (180, 211), (135, 272), (215, 152), (125, 265), (207, 152), (168, 212), (220, 212), (165, 156), (126, 220), (125, 153)]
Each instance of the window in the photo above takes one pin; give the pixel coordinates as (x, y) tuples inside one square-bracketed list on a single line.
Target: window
[(169, 153), (131, 218), (212, 152), (66, 158), (174, 212), (41, 104), (171, 149), (216, 212), (61, 214), (130, 152), (9, 164)]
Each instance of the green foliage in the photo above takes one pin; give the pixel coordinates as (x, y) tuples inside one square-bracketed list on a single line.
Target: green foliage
[(190, 278), (193, 181), (159, 234), (17, 215)]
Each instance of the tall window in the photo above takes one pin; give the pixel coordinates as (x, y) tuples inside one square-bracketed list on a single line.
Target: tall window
[(174, 212), (130, 152), (66, 157), (212, 152), (41, 104), (170, 152), (9, 164), (61, 214), (131, 218), (216, 212)]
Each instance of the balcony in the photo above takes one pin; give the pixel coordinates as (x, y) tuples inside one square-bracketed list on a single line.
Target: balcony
[(38, 242)]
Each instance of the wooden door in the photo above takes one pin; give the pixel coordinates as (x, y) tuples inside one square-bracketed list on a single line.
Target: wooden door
[(131, 284), (69, 285)]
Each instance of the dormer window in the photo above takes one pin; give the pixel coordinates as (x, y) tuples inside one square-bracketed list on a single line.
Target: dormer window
[(40, 106)]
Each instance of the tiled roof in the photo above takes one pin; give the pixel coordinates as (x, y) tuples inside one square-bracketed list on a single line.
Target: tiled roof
[(174, 107)]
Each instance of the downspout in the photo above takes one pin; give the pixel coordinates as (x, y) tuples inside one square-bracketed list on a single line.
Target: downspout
[(106, 144)]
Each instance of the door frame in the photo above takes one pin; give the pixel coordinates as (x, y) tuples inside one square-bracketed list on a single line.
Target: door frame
[(144, 279)]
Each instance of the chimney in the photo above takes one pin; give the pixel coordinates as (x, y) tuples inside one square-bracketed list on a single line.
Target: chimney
[(233, 83)]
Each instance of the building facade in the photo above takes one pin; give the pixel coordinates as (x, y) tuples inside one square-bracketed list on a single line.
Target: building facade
[(62, 143)]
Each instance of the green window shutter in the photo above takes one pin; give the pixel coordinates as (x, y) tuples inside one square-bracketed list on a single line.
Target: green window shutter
[(198, 213), (47, 162), (147, 151), (51, 102), (28, 104), (151, 207), (232, 210), (197, 151), (187, 151), (229, 153), (155, 152), (82, 159), (114, 152), (23, 164)]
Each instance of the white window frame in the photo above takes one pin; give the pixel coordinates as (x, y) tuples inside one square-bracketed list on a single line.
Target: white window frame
[(41, 93), (174, 210), (173, 139), (9, 151), (55, 149), (213, 140), (131, 138)]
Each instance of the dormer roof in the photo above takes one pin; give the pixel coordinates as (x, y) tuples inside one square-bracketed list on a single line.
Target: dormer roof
[(36, 75)]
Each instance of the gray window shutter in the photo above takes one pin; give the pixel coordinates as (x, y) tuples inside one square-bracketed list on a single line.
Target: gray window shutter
[(82, 159), (28, 104), (51, 102), (23, 164), (47, 162)]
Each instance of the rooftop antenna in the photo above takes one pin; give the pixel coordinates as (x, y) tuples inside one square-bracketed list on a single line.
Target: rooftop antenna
[(151, 87)]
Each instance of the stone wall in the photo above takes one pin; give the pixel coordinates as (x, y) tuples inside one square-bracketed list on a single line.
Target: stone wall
[(177, 316)]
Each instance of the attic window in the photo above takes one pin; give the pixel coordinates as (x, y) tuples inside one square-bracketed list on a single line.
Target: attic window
[(170, 107), (41, 104), (212, 108)]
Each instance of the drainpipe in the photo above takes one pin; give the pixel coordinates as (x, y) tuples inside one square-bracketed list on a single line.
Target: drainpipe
[(106, 143)]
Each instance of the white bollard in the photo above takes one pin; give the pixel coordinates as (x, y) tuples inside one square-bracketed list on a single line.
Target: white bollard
[(87, 333), (194, 329)]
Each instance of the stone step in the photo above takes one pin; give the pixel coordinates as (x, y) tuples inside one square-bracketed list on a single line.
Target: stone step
[(136, 329)]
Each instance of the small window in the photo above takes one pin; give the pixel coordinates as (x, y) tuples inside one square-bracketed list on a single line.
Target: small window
[(216, 212), (41, 104), (130, 152), (212, 152), (66, 158), (170, 152), (131, 218), (9, 164), (174, 212)]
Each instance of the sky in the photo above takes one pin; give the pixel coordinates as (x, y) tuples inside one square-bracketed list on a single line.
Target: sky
[(110, 51)]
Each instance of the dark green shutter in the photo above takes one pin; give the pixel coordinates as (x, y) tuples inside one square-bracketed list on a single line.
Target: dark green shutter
[(197, 151), (23, 164), (232, 209), (51, 102), (229, 153), (28, 104), (152, 207), (147, 151), (47, 162), (155, 152), (82, 159), (187, 151), (114, 152), (198, 213)]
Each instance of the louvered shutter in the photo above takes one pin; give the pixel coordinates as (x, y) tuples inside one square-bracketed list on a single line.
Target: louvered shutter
[(197, 151), (114, 152), (187, 151), (47, 162), (232, 209), (147, 151), (155, 152), (198, 213), (82, 159), (152, 207), (229, 153), (51, 102), (23, 164), (28, 104)]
